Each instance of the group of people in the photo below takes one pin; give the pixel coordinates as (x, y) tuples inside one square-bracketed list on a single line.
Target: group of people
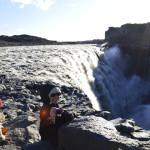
[(52, 117)]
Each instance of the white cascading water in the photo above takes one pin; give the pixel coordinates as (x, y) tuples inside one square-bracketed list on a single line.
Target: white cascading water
[(70, 65), (79, 66), (124, 97)]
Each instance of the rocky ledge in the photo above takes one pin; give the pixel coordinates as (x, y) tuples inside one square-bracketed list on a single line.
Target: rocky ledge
[(20, 101), (130, 36), (95, 133), (20, 115), (134, 41)]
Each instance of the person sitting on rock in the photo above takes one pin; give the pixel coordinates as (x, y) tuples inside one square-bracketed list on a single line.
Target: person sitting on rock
[(52, 117)]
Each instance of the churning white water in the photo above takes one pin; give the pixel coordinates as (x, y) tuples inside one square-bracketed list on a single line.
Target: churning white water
[(70, 65), (85, 67), (124, 97)]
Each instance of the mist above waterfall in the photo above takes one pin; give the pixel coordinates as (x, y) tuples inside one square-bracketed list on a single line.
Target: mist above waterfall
[(123, 96)]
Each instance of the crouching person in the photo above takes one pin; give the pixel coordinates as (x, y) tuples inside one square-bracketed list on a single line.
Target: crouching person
[(52, 117)]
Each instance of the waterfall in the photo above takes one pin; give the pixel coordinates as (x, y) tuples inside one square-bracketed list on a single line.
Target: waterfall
[(100, 74), (123, 96), (70, 65)]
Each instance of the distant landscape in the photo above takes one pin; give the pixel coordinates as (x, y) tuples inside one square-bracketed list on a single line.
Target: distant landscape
[(29, 40)]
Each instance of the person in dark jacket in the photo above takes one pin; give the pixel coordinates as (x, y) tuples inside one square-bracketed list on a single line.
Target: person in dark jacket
[(52, 117)]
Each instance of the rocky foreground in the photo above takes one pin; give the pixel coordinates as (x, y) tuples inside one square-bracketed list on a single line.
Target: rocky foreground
[(89, 130), (92, 130), (22, 102)]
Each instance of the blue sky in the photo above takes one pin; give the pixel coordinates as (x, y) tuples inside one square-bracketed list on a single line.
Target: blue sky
[(69, 19)]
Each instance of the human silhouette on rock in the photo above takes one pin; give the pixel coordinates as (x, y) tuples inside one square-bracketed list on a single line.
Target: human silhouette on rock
[(52, 117)]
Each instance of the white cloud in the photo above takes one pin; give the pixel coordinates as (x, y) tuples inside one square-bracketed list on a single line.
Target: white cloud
[(42, 4)]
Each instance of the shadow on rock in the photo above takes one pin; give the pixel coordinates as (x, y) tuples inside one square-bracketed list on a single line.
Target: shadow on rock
[(42, 145)]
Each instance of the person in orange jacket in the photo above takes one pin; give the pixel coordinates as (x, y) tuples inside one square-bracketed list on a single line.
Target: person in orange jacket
[(52, 117)]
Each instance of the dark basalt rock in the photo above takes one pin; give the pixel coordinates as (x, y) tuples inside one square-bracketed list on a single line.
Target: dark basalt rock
[(95, 133), (130, 36), (134, 41), (88, 132), (28, 95)]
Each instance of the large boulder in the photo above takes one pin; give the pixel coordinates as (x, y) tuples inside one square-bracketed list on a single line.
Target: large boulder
[(95, 133)]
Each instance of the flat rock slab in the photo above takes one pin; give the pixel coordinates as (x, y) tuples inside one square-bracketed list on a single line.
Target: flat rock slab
[(43, 145), (95, 133)]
